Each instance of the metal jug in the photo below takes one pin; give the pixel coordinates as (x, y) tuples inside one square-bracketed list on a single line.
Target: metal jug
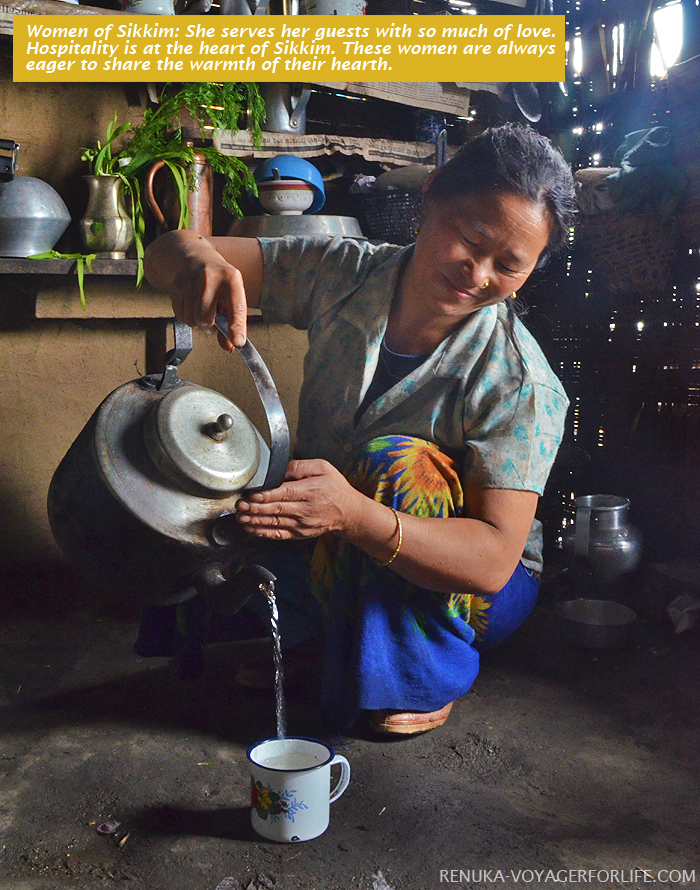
[(200, 198), (141, 502), (285, 108), (603, 537)]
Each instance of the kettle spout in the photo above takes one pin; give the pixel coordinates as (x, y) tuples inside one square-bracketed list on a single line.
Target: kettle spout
[(228, 595), (252, 579)]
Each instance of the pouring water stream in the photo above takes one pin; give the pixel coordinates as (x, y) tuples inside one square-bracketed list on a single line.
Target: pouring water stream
[(268, 588)]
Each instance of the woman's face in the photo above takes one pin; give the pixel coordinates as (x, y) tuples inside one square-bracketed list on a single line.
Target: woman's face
[(475, 250)]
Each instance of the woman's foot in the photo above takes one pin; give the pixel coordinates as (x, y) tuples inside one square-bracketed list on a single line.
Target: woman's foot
[(407, 722)]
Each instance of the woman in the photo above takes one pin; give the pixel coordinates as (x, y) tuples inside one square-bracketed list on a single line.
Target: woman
[(429, 421)]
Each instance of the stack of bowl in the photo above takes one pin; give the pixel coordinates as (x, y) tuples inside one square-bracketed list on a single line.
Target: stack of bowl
[(291, 192), (289, 185)]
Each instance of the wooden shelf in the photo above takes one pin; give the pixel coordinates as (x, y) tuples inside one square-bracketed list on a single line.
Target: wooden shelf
[(110, 290), (27, 266)]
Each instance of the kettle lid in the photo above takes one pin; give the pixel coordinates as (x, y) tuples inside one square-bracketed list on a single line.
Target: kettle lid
[(196, 435)]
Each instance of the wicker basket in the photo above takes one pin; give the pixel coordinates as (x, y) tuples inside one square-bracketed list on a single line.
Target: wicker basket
[(684, 96), (392, 216), (631, 251)]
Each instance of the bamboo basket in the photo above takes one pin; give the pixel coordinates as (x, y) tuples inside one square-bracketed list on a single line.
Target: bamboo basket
[(392, 216), (631, 251)]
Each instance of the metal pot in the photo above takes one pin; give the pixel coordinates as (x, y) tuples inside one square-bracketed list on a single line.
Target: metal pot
[(33, 215), (603, 539), (595, 624), (285, 108), (141, 503), (278, 226)]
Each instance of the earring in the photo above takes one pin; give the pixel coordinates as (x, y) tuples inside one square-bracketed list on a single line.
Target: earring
[(485, 284)]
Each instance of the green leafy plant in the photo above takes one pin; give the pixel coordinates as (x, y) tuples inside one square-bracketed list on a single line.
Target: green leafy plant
[(102, 159), (210, 106), (129, 151), (82, 261)]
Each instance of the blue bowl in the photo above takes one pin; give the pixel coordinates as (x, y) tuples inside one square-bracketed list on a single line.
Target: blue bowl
[(292, 167)]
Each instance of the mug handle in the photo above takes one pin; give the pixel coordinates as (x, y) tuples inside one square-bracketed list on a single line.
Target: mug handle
[(344, 779)]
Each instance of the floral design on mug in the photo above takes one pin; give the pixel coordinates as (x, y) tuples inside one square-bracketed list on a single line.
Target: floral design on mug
[(267, 803)]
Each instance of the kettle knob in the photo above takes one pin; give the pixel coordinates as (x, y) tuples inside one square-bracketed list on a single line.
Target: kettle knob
[(218, 429)]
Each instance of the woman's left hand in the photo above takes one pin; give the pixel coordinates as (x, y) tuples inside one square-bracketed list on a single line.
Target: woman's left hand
[(315, 498)]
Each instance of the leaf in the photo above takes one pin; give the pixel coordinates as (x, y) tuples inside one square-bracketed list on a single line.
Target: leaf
[(133, 192), (180, 179), (101, 159), (81, 260)]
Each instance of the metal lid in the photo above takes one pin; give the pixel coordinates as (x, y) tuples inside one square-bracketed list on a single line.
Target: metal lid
[(196, 435)]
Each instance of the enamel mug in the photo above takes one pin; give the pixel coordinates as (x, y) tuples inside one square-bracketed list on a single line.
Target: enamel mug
[(290, 787)]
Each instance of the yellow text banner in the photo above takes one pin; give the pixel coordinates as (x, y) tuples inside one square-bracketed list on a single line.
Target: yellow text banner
[(288, 48)]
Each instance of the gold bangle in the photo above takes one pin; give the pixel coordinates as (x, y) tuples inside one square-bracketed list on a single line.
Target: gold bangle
[(398, 546)]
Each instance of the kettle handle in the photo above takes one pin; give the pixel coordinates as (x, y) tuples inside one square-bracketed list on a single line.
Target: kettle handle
[(299, 108), (274, 412)]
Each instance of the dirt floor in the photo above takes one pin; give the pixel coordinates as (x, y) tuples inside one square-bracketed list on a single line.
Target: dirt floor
[(562, 768)]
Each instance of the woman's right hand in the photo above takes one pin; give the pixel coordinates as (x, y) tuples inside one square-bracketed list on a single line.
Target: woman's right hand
[(207, 286), (204, 276)]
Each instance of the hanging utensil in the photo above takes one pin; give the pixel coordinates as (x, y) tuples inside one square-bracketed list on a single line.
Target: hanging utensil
[(527, 98), (441, 148)]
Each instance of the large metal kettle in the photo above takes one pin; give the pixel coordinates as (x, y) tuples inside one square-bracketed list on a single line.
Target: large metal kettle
[(142, 501), (285, 107)]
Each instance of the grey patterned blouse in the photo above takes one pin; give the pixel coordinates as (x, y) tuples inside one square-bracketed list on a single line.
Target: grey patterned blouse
[(473, 397)]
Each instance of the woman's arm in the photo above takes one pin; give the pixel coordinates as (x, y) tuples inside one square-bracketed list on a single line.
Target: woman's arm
[(206, 275), (470, 555), (478, 554)]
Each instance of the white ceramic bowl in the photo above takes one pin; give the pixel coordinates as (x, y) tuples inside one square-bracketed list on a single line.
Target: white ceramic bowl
[(285, 197)]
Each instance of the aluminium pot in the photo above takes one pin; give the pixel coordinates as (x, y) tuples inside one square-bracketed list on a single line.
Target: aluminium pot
[(602, 539), (33, 216)]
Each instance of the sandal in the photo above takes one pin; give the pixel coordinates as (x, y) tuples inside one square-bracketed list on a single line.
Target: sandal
[(407, 722)]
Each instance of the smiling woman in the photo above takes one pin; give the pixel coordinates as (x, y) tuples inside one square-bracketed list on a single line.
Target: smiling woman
[(429, 420), (473, 251)]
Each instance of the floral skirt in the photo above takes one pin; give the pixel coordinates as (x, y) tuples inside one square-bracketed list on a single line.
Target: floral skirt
[(390, 643)]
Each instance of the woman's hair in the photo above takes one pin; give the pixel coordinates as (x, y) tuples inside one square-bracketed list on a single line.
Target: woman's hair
[(514, 158)]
